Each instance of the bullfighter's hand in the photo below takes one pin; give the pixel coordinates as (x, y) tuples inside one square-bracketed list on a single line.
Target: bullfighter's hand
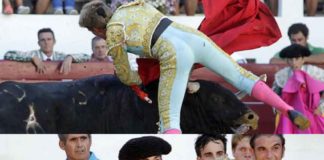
[(148, 100)]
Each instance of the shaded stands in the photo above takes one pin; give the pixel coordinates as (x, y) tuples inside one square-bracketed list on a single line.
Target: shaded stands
[(25, 72)]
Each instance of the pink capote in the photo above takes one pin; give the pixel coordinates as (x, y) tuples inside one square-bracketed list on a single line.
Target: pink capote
[(302, 92)]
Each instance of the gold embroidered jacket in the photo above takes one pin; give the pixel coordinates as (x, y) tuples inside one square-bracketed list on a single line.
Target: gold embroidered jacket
[(130, 29)]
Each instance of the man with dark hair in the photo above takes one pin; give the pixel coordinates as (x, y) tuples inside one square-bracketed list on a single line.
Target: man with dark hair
[(144, 148), (46, 42), (298, 34), (211, 147), (76, 146), (268, 146)]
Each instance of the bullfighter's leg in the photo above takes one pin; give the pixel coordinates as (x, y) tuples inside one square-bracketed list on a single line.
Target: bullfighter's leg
[(173, 79), (210, 55)]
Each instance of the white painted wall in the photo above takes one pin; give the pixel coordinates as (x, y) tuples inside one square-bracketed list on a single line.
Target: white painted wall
[(316, 38), (19, 32), (106, 147)]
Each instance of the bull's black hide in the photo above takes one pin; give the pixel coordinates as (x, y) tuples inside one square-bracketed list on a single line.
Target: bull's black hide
[(102, 104)]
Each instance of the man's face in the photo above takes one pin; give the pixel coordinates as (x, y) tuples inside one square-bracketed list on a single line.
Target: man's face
[(100, 49), (296, 63), (298, 38), (268, 147), (77, 146), (243, 150), (46, 42), (214, 150)]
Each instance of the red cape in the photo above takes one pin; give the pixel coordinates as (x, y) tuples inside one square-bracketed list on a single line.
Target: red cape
[(234, 25), (237, 25)]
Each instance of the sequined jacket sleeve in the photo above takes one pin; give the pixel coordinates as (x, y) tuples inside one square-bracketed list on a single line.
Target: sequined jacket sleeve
[(117, 49)]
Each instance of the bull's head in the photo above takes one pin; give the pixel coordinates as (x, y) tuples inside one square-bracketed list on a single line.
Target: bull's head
[(214, 109)]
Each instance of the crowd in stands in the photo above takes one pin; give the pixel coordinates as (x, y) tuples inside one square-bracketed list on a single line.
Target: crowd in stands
[(72, 7), (311, 7), (169, 7)]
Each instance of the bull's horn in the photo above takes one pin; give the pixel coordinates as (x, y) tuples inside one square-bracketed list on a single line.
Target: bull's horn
[(193, 87), (240, 94)]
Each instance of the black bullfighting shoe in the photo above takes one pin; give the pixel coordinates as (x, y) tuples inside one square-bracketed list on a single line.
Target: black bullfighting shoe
[(298, 119)]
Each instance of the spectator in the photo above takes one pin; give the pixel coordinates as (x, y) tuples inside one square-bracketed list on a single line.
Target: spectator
[(161, 5), (116, 3), (241, 147), (144, 148), (300, 85), (68, 7), (311, 7), (273, 6), (190, 6), (38, 6), (268, 146), (211, 147), (172, 7), (21, 9), (77, 146), (298, 34), (46, 41), (99, 49)]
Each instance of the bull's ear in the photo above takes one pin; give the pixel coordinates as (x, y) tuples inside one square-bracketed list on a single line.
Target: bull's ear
[(263, 77)]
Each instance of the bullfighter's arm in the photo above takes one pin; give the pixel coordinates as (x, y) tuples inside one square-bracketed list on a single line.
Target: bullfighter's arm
[(117, 49)]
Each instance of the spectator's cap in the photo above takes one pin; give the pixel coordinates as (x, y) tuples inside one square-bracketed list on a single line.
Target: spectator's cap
[(143, 147)]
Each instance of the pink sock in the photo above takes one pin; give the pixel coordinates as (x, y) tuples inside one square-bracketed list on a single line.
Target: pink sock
[(172, 131), (263, 93)]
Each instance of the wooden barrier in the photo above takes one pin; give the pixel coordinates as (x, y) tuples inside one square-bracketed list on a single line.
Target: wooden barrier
[(18, 71)]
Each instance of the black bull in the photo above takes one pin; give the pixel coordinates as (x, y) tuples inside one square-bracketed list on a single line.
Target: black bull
[(102, 104)]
